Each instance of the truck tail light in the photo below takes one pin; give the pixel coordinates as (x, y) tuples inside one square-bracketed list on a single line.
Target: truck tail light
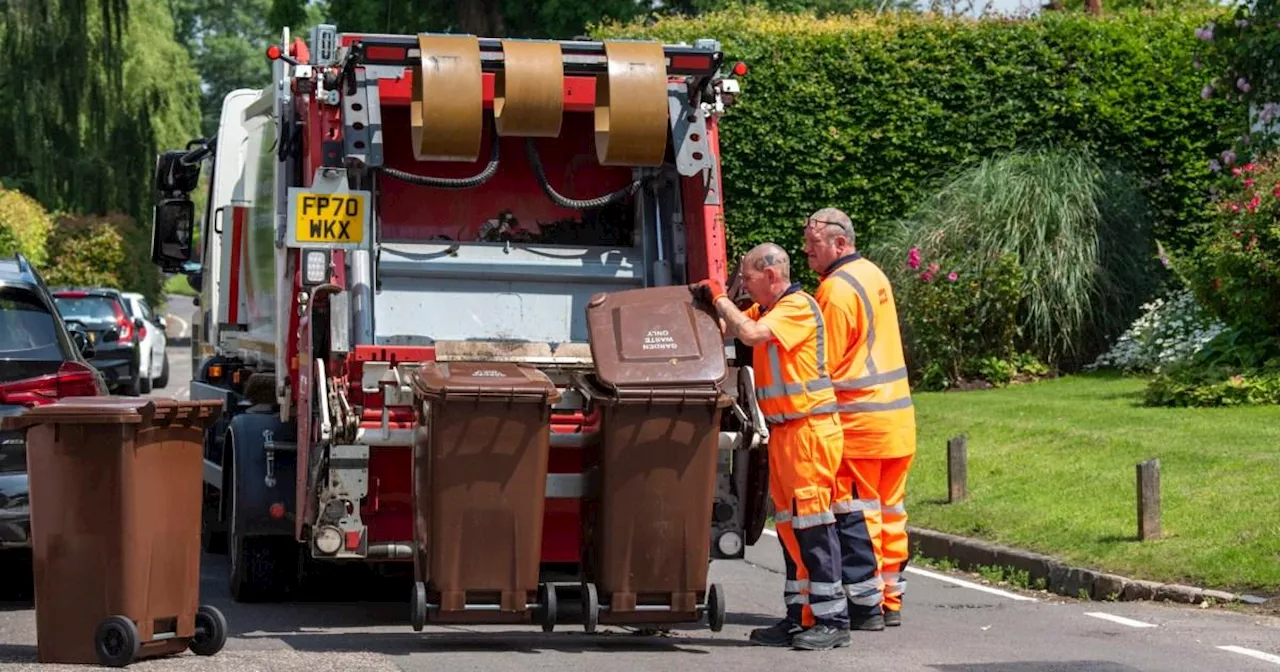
[(73, 379)]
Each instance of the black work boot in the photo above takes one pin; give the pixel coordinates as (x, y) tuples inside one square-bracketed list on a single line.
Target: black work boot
[(867, 623), (778, 634), (892, 618), (821, 637)]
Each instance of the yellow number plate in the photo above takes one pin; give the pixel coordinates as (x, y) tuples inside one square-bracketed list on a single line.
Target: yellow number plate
[(329, 218)]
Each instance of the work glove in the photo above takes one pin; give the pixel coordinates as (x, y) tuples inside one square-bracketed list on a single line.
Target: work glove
[(708, 290)]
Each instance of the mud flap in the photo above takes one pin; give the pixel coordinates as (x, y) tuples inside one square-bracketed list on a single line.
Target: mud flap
[(265, 462)]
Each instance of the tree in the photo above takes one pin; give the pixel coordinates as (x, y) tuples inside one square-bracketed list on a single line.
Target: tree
[(91, 89), (1241, 52)]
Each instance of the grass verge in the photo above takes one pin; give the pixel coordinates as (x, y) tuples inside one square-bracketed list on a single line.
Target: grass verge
[(177, 284), (1051, 469)]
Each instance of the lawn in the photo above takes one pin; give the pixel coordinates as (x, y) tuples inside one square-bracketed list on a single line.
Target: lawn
[(1051, 469), (178, 285)]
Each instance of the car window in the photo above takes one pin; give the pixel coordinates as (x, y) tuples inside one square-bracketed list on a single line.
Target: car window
[(146, 311), (87, 308), (27, 328)]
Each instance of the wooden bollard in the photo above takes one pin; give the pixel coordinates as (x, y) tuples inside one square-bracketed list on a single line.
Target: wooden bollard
[(957, 469), (1149, 499)]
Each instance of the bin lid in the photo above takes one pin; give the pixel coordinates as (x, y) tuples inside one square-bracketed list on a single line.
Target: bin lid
[(654, 337), (117, 410), (494, 381)]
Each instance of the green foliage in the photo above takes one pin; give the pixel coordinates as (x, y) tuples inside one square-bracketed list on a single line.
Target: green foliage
[(24, 226), (113, 251), (561, 19), (91, 90), (1238, 56), (959, 316), (1235, 271), (866, 113), (1186, 386), (1069, 241)]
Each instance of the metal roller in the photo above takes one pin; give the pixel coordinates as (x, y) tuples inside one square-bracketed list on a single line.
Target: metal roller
[(447, 111), (631, 105), (528, 95)]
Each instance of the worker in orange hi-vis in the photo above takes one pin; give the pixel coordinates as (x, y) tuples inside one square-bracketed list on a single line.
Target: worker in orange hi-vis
[(869, 372), (785, 329)]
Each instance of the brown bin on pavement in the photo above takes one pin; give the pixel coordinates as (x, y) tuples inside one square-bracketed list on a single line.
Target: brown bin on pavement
[(659, 365), (479, 478), (115, 487)]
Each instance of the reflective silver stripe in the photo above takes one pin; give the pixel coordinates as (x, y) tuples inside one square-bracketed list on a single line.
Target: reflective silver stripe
[(871, 316), (779, 389), (865, 593), (827, 609), (793, 586), (782, 517), (796, 599), (787, 389), (806, 522), (895, 589), (825, 589), (779, 418), (875, 406), (851, 505), (822, 336), (899, 509), (875, 379)]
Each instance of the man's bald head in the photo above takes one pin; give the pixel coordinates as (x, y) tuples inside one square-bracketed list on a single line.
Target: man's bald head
[(832, 223), (768, 255)]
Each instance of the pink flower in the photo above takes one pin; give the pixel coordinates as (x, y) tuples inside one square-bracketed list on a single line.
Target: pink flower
[(926, 276), (1206, 92), (933, 268), (1228, 157), (952, 276), (1205, 34), (1248, 183), (1254, 203), (1243, 85), (913, 258)]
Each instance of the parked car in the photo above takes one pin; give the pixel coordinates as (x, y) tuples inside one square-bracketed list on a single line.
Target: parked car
[(155, 356), (114, 334), (42, 358)]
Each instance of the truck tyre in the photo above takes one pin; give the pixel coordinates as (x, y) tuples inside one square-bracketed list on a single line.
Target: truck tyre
[(261, 568)]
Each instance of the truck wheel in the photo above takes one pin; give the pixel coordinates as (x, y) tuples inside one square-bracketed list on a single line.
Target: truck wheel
[(260, 568)]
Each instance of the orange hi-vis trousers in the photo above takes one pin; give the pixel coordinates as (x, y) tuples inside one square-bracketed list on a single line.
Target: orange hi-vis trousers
[(872, 521), (804, 456)]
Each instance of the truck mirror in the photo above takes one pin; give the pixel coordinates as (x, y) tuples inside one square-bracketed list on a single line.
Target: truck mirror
[(171, 233)]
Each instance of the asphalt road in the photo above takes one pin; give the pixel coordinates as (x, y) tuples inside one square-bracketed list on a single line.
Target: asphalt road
[(951, 624)]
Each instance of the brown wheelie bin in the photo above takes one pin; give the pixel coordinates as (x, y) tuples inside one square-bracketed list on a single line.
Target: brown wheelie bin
[(115, 487), (660, 366), (479, 478)]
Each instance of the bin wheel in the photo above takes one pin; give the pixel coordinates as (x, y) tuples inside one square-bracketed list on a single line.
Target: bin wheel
[(211, 631), (550, 609), (116, 641), (715, 607), (590, 607), (418, 607)]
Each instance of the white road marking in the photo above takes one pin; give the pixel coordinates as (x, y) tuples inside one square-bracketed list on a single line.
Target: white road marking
[(1269, 657), (952, 580), (186, 326), (1120, 619)]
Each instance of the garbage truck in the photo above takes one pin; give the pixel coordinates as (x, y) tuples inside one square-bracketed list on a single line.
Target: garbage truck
[(444, 294)]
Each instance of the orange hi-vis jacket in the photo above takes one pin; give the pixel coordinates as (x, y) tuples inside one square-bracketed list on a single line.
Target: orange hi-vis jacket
[(868, 369), (797, 385)]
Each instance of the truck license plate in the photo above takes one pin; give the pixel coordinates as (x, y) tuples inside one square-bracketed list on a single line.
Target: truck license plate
[(329, 218)]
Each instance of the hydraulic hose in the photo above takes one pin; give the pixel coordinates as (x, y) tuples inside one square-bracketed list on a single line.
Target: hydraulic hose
[(576, 204), (451, 182)]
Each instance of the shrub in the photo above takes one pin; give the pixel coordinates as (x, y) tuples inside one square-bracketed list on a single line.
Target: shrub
[(1077, 234), (1171, 329), (24, 226), (112, 251), (959, 317), (864, 113), (1215, 386), (1236, 269)]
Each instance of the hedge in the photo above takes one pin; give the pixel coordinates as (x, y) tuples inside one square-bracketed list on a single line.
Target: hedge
[(111, 251), (24, 226), (868, 113)]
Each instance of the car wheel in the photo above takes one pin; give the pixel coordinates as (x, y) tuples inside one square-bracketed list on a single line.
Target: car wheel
[(163, 380)]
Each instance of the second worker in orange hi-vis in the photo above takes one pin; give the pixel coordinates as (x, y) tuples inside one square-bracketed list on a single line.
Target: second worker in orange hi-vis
[(793, 389), (869, 373)]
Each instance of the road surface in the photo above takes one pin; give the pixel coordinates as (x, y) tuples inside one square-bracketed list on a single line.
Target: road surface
[(950, 625)]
